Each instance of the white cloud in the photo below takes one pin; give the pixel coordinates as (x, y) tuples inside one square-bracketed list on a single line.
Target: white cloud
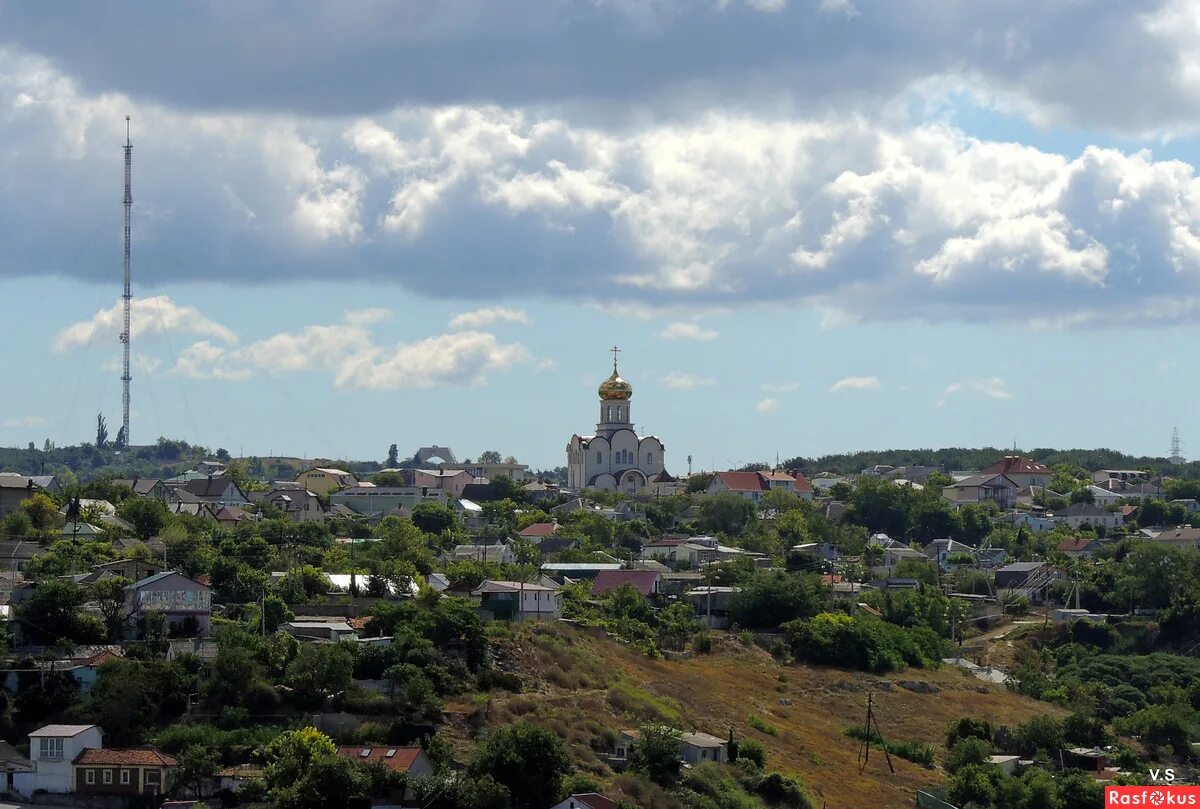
[(680, 380), (688, 331), (490, 316), (992, 387), (365, 317), (349, 353), (767, 405), (148, 317), (25, 422), (855, 383)]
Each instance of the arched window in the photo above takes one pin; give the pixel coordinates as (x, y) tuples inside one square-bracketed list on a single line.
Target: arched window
[(599, 457), (649, 457), (619, 412), (608, 417)]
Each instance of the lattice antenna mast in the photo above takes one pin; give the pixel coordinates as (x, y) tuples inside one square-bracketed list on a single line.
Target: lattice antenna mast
[(126, 297), (1176, 447)]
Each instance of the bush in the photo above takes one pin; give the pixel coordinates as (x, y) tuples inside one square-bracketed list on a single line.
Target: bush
[(861, 642), (966, 751), (751, 750), (761, 725), (968, 727)]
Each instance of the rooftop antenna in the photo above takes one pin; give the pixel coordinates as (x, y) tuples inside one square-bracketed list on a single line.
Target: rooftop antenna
[(126, 297)]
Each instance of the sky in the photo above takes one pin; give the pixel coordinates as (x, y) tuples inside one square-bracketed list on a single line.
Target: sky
[(811, 226)]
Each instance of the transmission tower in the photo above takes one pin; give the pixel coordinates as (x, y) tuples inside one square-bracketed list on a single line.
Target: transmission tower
[(126, 297), (1176, 447)]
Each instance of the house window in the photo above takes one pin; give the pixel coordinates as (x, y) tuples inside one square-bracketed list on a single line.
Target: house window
[(107, 776), (89, 776), (125, 777), (152, 777), (50, 748)]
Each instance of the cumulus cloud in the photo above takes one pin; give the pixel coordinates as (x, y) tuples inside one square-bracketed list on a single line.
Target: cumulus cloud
[(25, 422), (855, 215), (992, 387), (148, 317), (680, 380), (855, 383), (349, 353), (688, 331), (491, 316), (767, 405)]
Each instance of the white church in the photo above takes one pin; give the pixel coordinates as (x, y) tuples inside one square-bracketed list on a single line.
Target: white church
[(614, 458)]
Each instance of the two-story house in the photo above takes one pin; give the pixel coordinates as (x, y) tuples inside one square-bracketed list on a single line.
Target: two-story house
[(753, 485), (1022, 471), (182, 601), (519, 600), (52, 749), (324, 480), (985, 488)]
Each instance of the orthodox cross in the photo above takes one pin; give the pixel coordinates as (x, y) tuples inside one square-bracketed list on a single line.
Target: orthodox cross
[(615, 351)]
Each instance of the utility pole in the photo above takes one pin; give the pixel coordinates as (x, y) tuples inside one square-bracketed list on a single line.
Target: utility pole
[(864, 749), (126, 296)]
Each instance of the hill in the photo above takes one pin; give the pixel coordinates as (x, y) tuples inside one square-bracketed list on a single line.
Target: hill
[(587, 688)]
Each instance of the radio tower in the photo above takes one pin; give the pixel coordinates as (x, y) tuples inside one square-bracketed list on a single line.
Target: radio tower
[(1176, 448), (125, 295)]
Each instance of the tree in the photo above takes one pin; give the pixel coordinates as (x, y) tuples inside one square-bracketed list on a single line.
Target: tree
[(53, 611), (41, 511), (967, 751), (319, 670), (101, 431), (773, 598), (655, 754), (291, 754), (727, 513), (489, 456), (193, 767), (132, 696), (528, 759), (120, 442), (109, 595), (433, 518), (147, 515), (393, 457)]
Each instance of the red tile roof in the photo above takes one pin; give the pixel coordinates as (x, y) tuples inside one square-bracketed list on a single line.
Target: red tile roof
[(1074, 545), (802, 484), (539, 529), (400, 760), (740, 481), (642, 580), (117, 757), (1127, 510), (1015, 464)]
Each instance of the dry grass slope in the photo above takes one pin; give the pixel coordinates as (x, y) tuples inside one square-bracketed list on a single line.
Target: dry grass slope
[(586, 688)]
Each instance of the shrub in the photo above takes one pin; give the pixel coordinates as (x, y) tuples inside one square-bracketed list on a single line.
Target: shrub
[(751, 750), (761, 725), (861, 642), (968, 727), (966, 751)]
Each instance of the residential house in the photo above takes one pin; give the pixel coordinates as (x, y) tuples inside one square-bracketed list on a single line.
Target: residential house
[(1021, 471), (186, 604), (664, 484), (470, 513), (519, 601), (205, 650), (1080, 514), (1037, 496), (1037, 521), (1077, 547), (984, 488), (538, 490), (449, 483), (14, 490), (333, 631), (1029, 579), (579, 570), (52, 749), (219, 489), (16, 554), (1123, 475), (753, 485), (1188, 504), (226, 516), (825, 481), (409, 760), (646, 582), (552, 545), (990, 557), (694, 747), (518, 472), (894, 556), (879, 470), (1103, 497), (81, 530), (711, 604), (325, 480), (940, 551), (297, 505), (113, 771), (586, 800), (822, 550), (12, 762), (374, 501), (1184, 537), (501, 552), (538, 530), (212, 466)]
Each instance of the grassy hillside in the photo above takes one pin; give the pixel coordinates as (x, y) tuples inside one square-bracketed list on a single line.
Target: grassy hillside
[(587, 688)]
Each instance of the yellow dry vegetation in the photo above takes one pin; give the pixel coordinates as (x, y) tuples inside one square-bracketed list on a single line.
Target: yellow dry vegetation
[(586, 688)]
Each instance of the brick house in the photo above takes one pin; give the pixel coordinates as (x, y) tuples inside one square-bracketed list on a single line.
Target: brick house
[(116, 771)]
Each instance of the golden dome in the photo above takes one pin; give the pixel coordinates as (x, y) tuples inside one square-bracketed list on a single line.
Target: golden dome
[(615, 387)]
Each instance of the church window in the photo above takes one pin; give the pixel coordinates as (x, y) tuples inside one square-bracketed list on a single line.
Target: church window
[(599, 458), (649, 457)]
